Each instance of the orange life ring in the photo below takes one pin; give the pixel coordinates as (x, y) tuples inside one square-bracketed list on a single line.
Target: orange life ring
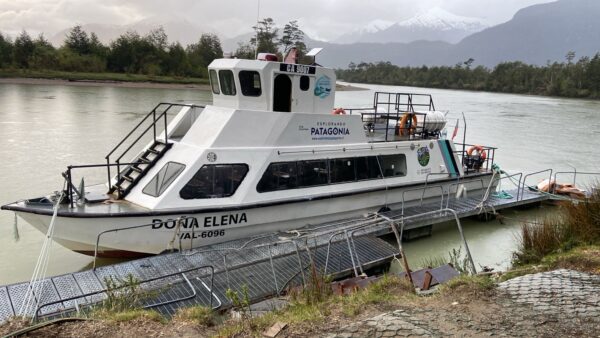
[(480, 151), (338, 111), (402, 123)]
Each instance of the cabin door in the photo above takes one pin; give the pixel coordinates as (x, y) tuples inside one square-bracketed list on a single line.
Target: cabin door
[(302, 94), (282, 93)]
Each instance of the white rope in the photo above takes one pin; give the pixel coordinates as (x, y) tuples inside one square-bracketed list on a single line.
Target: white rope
[(41, 266), (481, 205)]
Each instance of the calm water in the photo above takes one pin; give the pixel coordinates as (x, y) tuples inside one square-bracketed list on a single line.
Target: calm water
[(45, 128)]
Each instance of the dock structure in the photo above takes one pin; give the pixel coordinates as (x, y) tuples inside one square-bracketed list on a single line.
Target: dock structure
[(265, 266)]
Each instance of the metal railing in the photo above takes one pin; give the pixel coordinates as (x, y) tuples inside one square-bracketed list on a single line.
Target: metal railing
[(464, 156), (154, 279)]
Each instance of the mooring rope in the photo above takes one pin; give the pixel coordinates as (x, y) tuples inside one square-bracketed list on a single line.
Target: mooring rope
[(41, 266)]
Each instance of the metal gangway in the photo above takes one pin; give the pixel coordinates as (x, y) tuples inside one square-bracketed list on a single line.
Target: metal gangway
[(270, 264)]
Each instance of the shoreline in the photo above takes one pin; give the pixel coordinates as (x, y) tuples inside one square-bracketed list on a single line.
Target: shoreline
[(129, 84), (102, 83)]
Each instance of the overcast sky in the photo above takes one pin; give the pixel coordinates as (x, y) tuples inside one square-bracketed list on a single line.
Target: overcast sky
[(325, 19)]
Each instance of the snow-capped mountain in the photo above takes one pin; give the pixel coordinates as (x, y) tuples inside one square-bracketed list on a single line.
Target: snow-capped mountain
[(435, 24), (371, 28)]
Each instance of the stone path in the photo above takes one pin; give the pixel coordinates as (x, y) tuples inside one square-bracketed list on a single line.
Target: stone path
[(549, 304), (562, 292), (398, 323)]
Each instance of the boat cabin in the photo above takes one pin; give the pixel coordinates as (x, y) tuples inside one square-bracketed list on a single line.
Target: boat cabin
[(272, 86)]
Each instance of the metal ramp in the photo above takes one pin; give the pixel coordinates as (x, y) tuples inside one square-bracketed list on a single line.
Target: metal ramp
[(267, 267)]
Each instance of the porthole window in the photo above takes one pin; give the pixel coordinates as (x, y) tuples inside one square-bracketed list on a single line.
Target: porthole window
[(304, 83), (227, 82), (250, 83), (214, 181), (214, 82)]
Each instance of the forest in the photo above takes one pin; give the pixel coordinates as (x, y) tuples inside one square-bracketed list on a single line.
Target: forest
[(132, 53), (579, 79)]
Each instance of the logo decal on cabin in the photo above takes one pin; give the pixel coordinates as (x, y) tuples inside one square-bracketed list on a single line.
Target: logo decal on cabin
[(323, 87), (423, 156), (328, 130), (211, 157)]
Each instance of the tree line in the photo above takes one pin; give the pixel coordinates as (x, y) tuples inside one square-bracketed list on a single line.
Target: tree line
[(579, 79), (150, 54)]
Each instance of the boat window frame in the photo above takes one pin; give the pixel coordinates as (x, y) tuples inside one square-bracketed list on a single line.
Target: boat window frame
[(241, 180), (214, 81), (405, 165), (307, 87), (377, 158), (229, 81), (164, 186), (248, 84)]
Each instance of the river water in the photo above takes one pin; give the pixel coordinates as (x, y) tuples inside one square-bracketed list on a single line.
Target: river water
[(44, 128)]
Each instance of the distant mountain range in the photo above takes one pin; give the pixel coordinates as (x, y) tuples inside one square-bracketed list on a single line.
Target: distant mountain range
[(436, 24), (535, 35)]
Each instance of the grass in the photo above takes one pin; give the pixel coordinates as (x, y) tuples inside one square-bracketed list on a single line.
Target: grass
[(128, 315), (199, 315), (577, 225), (76, 76)]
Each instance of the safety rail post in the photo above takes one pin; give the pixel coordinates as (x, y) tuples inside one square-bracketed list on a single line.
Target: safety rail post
[(69, 186), (536, 173)]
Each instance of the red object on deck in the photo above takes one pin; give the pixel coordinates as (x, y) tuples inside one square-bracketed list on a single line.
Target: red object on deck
[(267, 57)]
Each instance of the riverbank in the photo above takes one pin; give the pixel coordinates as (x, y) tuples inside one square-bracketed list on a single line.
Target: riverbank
[(114, 80)]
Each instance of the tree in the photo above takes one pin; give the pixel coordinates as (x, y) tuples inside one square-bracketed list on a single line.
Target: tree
[(177, 62), (78, 41), (44, 55), (244, 51), (6, 50), (469, 62), (292, 37), (570, 56), (23, 49), (201, 54), (265, 40), (96, 47)]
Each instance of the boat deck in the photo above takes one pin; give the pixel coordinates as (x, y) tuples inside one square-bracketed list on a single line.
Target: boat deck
[(267, 265)]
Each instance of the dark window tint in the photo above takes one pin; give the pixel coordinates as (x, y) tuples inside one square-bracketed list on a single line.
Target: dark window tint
[(214, 82), (163, 179), (342, 170), (214, 181), (367, 168), (250, 83), (227, 82), (393, 165), (311, 173), (279, 176), (304, 83)]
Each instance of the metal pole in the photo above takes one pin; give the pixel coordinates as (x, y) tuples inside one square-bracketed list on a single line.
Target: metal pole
[(273, 270)]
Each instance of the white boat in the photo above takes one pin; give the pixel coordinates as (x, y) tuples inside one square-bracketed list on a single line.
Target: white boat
[(270, 154)]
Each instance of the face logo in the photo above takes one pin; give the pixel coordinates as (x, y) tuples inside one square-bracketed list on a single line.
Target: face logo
[(211, 157), (423, 156)]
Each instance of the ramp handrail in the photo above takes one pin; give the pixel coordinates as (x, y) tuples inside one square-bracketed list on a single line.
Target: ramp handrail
[(574, 173), (535, 173), (89, 294)]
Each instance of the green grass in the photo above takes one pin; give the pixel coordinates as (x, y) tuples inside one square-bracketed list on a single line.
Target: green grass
[(199, 315), (119, 77)]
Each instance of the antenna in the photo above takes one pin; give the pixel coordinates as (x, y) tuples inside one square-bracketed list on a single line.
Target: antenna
[(257, 18)]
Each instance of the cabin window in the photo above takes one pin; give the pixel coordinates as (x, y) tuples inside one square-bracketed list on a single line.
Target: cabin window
[(312, 173), (279, 176), (393, 165), (304, 83), (367, 168), (214, 181), (227, 82), (166, 175), (214, 82), (250, 83), (342, 170)]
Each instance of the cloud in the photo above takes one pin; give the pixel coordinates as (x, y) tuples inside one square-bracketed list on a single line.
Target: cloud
[(325, 19)]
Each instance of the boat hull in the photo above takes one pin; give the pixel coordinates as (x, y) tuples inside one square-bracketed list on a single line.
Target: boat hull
[(196, 229)]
